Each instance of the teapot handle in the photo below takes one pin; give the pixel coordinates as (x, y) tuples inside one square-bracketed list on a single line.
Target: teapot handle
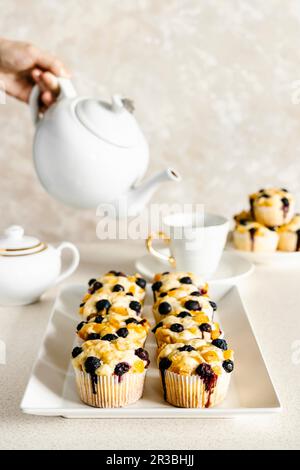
[(66, 90), (74, 263)]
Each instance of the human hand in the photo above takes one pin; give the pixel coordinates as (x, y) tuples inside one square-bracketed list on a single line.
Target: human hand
[(22, 65)]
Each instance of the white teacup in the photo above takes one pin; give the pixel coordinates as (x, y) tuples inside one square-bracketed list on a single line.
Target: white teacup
[(196, 241)]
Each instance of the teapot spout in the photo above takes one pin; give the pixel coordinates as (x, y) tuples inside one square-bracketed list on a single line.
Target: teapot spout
[(138, 197)]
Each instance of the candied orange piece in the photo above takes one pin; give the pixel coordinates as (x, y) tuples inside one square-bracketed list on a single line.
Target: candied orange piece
[(140, 329), (194, 330), (171, 293), (201, 318), (138, 366), (217, 370), (115, 323), (96, 328), (120, 310), (104, 329), (215, 334), (136, 328), (183, 370), (164, 338), (228, 354), (210, 356)]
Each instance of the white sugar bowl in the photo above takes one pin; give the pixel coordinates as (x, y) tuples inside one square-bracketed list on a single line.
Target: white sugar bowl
[(28, 267)]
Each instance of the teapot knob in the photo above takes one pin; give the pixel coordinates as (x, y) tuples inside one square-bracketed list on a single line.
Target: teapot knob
[(15, 232), (119, 104)]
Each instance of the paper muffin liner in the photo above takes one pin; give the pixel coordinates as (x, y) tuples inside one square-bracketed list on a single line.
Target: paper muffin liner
[(288, 241), (110, 391), (187, 391), (267, 243)]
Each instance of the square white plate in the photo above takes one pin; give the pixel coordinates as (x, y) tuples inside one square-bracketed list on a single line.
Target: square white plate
[(51, 390)]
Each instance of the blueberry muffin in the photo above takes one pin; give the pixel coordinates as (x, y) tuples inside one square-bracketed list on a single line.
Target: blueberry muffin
[(243, 217), (182, 291), (289, 235), (183, 329), (101, 303), (185, 306), (272, 207), (115, 281), (195, 374), (252, 236), (166, 282), (108, 377), (111, 327)]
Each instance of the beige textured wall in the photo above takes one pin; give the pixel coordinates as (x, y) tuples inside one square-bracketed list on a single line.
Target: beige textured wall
[(212, 85)]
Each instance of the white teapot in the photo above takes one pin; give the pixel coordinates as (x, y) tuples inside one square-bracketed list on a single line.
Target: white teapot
[(88, 152), (29, 267)]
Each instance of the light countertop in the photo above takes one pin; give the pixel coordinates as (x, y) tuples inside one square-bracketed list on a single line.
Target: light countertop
[(272, 298)]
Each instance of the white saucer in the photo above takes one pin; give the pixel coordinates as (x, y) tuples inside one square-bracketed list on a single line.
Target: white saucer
[(231, 268)]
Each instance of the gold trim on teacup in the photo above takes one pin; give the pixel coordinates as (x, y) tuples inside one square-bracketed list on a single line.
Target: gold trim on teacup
[(43, 248)]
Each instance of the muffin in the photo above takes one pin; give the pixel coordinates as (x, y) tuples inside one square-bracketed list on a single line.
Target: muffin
[(102, 303), (272, 207), (188, 305), (195, 374), (166, 282), (252, 236), (289, 235), (182, 291), (243, 217), (108, 376), (115, 281), (133, 329), (184, 329)]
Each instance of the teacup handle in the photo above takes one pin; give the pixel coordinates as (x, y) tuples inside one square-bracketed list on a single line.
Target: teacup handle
[(74, 263), (160, 236)]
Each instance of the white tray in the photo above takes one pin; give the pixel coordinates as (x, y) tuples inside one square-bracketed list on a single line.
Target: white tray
[(51, 390)]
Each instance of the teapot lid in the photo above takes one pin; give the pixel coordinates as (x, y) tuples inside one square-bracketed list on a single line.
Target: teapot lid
[(113, 122), (13, 242)]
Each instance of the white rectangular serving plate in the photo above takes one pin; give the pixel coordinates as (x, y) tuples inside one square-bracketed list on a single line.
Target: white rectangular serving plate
[(51, 390)]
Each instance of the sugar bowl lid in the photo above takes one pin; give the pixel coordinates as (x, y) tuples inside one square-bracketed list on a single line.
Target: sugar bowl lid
[(13, 242)]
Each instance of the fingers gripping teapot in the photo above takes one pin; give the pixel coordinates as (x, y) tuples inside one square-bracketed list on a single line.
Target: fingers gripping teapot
[(88, 152)]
